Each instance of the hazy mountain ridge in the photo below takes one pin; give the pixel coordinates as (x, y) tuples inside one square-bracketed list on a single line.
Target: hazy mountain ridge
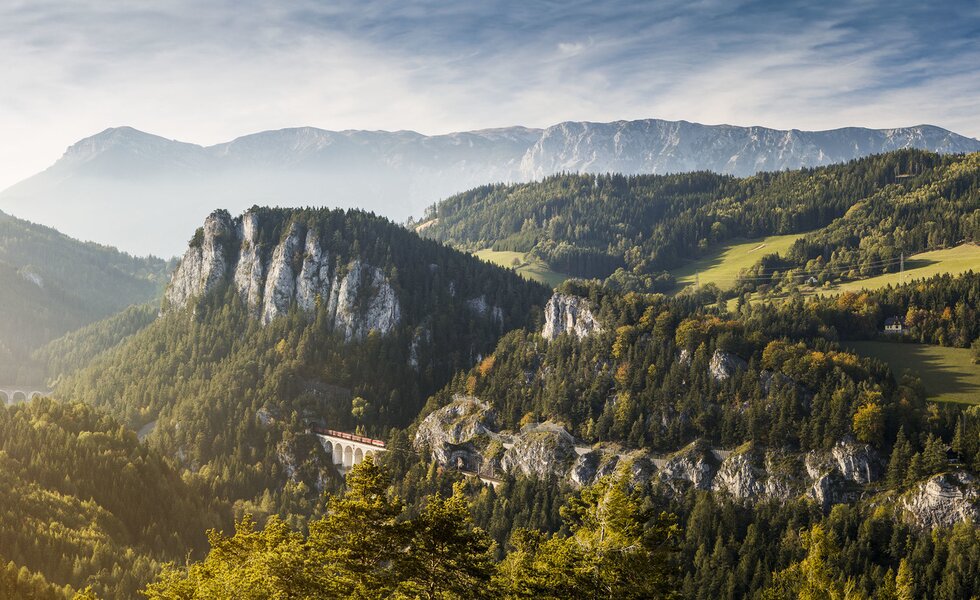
[(155, 187), (51, 284)]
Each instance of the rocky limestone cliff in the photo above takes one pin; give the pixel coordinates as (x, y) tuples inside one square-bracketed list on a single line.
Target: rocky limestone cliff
[(568, 314), (943, 500), (693, 465), (359, 298), (725, 365), (755, 474), (543, 450), (458, 433), (592, 466), (462, 435), (837, 476)]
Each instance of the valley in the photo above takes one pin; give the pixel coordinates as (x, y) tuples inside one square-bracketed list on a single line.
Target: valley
[(289, 347), (489, 300)]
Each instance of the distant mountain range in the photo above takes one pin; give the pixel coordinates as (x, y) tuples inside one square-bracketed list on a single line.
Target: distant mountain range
[(140, 191)]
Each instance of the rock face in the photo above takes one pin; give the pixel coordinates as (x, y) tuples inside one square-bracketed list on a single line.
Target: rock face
[(943, 500), (568, 314), (725, 365), (594, 465), (837, 475), (359, 298), (453, 434), (753, 474), (463, 435), (542, 450), (693, 465)]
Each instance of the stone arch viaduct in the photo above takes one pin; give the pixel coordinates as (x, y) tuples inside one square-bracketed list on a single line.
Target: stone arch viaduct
[(14, 394), (348, 449)]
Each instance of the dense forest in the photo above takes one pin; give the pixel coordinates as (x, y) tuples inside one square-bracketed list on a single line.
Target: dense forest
[(863, 214), (84, 503), (645, 380)]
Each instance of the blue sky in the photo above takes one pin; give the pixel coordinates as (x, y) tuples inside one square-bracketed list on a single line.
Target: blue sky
[(206, 72)]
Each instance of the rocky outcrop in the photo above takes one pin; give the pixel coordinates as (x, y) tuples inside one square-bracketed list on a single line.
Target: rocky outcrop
[(725, 365), (568, 314), (298, 271), (754, 474), (462, 435), (837, 475), (543, 450), (204, 264), (943, 500), (457, 434), (592, 466), (693, 465)]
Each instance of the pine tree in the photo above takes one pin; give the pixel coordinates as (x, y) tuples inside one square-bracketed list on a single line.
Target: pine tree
[(898, 464), (447, 557), (360, 542)]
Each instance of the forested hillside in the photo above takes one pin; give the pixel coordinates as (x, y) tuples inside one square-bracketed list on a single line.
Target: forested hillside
[(84, 504), (635, 444), (227, 385), (769, 385), (51, 284), (863, 214)]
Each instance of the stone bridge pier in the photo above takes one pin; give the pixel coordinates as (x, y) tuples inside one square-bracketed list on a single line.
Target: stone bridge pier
[(348, 449)]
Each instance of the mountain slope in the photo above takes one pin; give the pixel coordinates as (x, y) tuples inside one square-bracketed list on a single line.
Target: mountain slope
[(156, 187), (858, 217), (51, 284), (84, 503), (278, 318)]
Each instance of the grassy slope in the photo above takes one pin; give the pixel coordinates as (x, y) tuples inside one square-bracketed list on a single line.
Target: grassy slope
[(948, 374), (954, 261), (919, 266), (530, 269), (723, 266)]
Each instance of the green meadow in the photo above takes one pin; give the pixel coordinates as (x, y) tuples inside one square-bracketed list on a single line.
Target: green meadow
[(948, 374), (530, 269), (723, 266)]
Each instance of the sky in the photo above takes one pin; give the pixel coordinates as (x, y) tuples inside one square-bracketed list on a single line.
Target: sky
[(206, 72)]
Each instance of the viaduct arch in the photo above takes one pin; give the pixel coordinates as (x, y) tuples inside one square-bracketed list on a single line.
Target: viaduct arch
[(348, 449), (16, 394)]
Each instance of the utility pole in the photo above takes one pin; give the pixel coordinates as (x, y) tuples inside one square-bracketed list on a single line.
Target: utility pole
[(901, 276), (697, 280)]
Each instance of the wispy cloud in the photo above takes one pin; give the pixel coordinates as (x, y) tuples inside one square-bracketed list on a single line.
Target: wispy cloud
[(208, 71)]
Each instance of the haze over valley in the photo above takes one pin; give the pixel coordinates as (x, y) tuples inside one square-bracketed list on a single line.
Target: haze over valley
[(155, 189)]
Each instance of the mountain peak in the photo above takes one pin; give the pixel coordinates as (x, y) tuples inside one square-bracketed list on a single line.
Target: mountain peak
[(156, 188)]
